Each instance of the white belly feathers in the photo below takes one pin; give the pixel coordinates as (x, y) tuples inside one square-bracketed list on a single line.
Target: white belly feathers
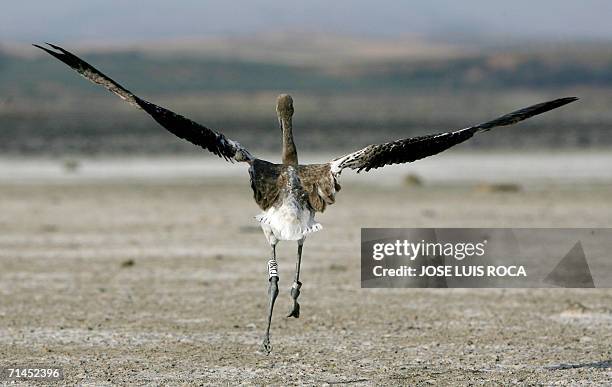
[(289, 221)]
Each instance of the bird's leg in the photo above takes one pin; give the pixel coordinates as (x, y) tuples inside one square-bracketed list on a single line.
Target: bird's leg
[(295, 288), (272, 293)]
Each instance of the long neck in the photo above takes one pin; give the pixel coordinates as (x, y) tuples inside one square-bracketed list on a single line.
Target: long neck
[(289, 152)]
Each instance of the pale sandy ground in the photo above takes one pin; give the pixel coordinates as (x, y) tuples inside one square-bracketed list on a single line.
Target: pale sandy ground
[(191, 308)]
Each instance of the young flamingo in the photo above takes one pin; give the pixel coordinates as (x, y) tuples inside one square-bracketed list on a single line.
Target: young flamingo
[(290, 193)]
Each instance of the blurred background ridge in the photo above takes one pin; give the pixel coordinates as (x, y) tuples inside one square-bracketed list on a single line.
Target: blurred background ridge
[(378, 71)]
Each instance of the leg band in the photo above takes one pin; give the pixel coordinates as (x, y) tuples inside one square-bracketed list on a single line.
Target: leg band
[(272, 268)]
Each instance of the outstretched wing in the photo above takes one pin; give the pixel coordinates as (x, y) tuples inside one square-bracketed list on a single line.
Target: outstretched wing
[(415, 148), (180, 126)]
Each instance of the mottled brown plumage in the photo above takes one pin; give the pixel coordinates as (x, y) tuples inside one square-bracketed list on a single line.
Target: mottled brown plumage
[(320, 184), (317, 181)]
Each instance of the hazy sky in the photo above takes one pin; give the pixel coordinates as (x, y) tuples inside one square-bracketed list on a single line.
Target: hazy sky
[(141, 20)]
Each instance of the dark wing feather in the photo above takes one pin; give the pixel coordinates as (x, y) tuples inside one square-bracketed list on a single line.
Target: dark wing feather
[(178, 125), (411, 149)]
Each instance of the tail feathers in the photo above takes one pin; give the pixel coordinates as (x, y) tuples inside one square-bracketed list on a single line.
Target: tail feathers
[(313, 228), (522, 114), (91, 73), (288, 233)]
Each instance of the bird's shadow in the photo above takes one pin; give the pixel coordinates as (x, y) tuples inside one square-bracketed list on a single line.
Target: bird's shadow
[(600, 365)]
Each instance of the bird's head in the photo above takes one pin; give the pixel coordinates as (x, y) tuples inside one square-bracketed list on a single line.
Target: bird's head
[(284, 108)]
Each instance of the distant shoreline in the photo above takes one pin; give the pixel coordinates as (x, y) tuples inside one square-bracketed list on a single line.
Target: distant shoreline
[(524, 168)]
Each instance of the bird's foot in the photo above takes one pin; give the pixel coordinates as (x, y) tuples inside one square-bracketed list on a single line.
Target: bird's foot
[(266, 347), (295, 293), (295, 312)]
